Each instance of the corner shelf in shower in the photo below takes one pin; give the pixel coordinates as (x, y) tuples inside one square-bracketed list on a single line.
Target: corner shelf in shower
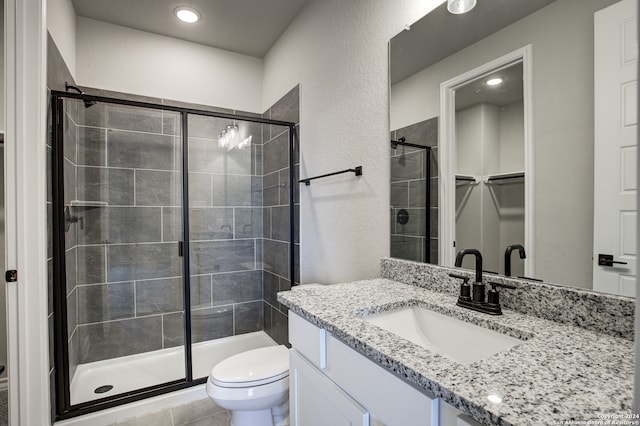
[(505, 178), (84, 203)]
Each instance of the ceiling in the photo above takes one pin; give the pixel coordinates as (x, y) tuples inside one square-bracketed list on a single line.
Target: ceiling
[(426, 35), (249, 27), (506, 93)]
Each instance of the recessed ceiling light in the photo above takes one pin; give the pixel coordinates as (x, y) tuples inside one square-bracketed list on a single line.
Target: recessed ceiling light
[(460, 6), (494, 81), (186, 14)]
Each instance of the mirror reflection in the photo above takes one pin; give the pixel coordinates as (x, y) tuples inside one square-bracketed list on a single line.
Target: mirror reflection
[(545, 159), (489, 166)]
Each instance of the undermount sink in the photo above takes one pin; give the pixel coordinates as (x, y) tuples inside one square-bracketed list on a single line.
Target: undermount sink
[(458, 340)]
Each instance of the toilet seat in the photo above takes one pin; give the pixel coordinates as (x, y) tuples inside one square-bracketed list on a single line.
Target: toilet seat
[(252, 368)]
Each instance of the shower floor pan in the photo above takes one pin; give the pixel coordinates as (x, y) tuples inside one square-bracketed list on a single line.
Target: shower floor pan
[(152, 368)]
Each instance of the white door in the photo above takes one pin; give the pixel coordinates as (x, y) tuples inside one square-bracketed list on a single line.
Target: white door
[(615, 131)]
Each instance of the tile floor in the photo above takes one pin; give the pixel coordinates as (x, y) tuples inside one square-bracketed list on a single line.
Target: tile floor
[(198, 413)]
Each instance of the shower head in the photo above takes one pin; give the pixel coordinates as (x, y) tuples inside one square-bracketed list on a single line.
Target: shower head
[(68, 87), (394, 144), (87, 103)]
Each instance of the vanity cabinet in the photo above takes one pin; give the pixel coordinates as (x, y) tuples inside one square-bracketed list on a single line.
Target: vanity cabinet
[(319, 401), (330, 383)]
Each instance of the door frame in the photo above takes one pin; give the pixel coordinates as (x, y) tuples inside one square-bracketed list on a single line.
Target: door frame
[(447, 148), (25, 211)]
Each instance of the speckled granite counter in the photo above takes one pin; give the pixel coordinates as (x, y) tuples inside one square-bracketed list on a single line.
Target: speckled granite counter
[(560, 372)]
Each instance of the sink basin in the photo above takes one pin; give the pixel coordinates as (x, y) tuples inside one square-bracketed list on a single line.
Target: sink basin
[(458, 340)]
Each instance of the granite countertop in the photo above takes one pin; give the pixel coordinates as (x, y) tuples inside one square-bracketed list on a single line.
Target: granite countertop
[(558, 373)]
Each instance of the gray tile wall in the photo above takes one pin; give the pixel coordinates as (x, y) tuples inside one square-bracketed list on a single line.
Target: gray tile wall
[(276, 223), (129, 285), (408, 180), (124, 272), (225, 226)]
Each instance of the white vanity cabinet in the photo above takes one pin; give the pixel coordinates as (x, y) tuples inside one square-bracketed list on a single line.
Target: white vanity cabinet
[(332, 384), (317, 401)]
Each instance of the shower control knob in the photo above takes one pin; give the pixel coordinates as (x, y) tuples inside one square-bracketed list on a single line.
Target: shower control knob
[(402, 217)]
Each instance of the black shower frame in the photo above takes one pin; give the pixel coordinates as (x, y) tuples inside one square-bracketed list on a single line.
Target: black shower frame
[(427, 216), (63, 407)]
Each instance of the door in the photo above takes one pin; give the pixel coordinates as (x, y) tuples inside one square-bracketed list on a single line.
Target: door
[(117, 196), (615, 147)]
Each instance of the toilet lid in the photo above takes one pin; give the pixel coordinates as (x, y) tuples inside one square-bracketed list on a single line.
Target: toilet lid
[(254, 367)]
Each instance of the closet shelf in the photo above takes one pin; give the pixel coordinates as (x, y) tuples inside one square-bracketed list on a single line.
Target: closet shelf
[(466, 180), (505, 178)]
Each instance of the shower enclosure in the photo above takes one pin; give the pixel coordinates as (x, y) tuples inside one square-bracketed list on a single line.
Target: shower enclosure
[(414, 191), (157, 229)]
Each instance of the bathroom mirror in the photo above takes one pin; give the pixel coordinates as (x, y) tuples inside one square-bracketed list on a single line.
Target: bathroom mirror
[(565, 51)]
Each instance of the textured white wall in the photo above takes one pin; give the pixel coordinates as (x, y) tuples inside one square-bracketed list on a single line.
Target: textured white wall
[(61, 23), (113, 57), (338, 51)]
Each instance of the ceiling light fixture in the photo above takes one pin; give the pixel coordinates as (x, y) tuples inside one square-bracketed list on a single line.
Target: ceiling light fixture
[(186, 14), (228, 136), (460, 6), (494, 81)]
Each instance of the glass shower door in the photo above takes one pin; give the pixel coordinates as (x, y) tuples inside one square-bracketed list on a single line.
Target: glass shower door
[(122, 229), (238, 223), (225, 232)]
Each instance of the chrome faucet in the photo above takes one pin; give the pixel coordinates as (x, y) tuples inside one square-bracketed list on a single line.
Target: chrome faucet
[(507, 257)]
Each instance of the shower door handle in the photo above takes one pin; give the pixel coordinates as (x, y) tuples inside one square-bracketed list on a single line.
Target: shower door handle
[(181, 248)]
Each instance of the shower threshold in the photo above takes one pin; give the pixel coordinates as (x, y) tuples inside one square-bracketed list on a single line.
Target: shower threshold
[(125, 374)]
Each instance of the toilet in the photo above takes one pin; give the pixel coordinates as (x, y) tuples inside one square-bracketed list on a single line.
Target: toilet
[(254, 386)]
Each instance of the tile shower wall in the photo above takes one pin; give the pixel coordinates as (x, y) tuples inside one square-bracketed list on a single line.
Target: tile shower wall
[(408, 181), (127, 173), (275, 155), (225, 222)]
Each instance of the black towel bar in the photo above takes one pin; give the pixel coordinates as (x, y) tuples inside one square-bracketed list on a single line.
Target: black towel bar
[(357, 171)]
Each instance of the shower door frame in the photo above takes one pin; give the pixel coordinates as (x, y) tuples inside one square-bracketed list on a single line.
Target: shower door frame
[(63, 407)]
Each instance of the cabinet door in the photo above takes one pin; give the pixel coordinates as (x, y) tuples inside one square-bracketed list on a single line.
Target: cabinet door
[(451, 416), (317, 401)]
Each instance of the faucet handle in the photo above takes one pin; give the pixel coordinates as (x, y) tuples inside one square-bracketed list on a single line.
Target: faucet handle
[(493, 297), (495, 284), (465, 288), (464, 278)]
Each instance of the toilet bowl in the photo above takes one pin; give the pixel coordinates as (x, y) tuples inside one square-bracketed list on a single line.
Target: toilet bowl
[(254, 386)]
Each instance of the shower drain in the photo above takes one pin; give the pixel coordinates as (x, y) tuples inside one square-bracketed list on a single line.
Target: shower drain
[(103, 389)]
